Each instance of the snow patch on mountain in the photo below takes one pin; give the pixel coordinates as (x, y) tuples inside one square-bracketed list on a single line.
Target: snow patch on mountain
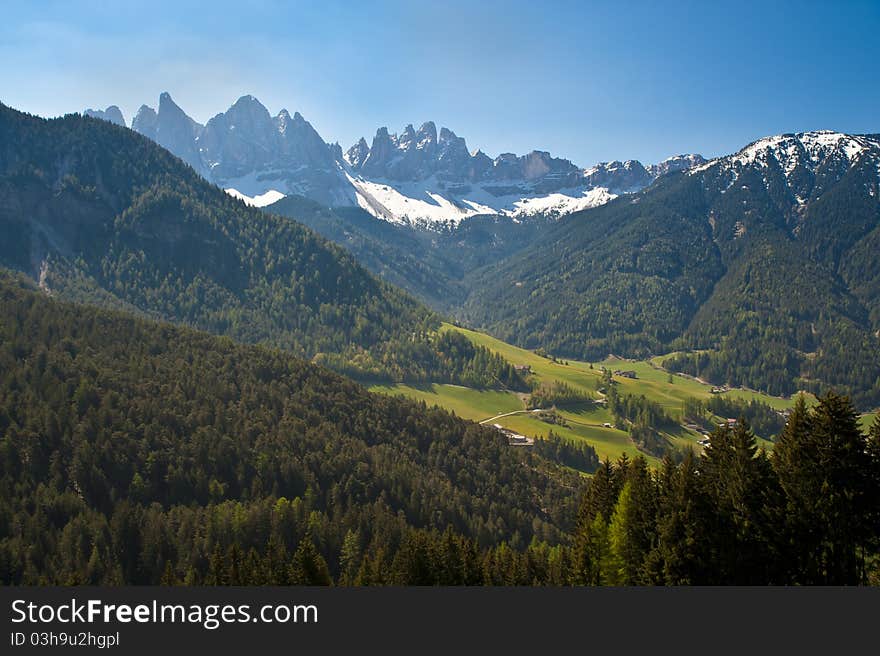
[(420, 206), (429, 203), (261, 200), (559, 204)]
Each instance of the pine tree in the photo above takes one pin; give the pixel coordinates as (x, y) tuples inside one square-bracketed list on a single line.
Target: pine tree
[(824, 462), (616, 566), (350, 558), (308, 567), (597, 503), (680, 525), (737, 479), (168, 576)]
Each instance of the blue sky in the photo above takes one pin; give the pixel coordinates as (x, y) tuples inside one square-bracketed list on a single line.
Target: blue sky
[(589, 81)]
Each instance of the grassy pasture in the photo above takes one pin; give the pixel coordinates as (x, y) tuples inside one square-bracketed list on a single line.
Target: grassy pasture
[(585, 423)]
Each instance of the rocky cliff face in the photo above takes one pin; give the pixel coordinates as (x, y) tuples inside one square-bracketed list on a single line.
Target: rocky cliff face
[(675, 163), (112, 114), (418, 155), (172, 129), (251, 152)]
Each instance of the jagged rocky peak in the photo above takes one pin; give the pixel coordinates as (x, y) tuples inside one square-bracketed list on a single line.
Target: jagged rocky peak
[(356, 155), (450, 142), (171, 128), (177, 132), (145, 122), (619, 177), (407, 138), (285, 122), (282, 121), (246, 139), (112, 114), (170, 114), (536, 165), (246, 121), (676, 163), (426, 136), (248, 107), (336, 152), (381, 153), (448, 136)]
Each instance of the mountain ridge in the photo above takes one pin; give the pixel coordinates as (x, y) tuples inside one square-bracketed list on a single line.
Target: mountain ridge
[(759, 263), (424, 178)]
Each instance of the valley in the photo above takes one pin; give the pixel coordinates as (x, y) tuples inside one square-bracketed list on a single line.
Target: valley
[(586, 422), (755, 268)]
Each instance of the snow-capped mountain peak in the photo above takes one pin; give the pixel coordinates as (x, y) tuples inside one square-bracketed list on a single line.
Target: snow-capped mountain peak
[(796, 168), (806, 149), (424, 177)]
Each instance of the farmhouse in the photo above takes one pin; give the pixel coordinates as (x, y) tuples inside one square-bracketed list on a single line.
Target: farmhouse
[(626, 374), (514, 439), (522, 368)]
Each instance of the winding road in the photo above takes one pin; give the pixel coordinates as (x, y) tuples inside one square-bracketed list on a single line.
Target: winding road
[(507, 414)]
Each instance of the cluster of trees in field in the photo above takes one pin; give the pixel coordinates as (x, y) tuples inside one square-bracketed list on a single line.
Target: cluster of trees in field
[(764, 420), (557, 394), (429, 356), (639, 415), (577, 455), (474, 365)]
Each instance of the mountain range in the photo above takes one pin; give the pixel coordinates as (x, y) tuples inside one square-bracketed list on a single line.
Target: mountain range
[(756, 268), (760, 265), (420, 177), (97, 213)]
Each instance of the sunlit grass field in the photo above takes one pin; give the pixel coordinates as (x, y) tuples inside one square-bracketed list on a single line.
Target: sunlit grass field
[(586, 424)]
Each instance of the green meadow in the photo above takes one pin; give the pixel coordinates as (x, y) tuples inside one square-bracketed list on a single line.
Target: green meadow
[(588, 423)]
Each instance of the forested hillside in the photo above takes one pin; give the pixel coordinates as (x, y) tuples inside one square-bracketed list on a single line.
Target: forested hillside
[(133, 451), (138, 452), (432, 264), (98, 214)]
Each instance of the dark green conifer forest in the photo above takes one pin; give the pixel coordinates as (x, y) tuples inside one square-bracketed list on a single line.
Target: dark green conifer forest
[(138, 452)]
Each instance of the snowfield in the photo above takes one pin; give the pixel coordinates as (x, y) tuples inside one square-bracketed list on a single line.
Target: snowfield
[(260, 200)]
